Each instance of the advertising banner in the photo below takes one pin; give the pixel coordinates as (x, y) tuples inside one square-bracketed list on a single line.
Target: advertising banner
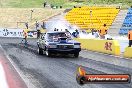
[(11, 32), (17, 33)]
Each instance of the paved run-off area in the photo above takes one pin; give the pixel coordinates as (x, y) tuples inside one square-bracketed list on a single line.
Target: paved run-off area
[(39, 71)]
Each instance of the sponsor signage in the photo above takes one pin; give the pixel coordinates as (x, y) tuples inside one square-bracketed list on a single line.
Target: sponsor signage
[(4, 32)]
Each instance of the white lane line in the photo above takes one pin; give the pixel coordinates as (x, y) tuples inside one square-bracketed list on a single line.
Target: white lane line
[(3, 80)]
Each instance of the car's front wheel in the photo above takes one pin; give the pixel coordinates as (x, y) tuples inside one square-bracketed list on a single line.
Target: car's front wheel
[(76, 54), (40, 51)]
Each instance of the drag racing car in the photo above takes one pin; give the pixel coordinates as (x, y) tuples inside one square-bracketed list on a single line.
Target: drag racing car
[(58, 43)]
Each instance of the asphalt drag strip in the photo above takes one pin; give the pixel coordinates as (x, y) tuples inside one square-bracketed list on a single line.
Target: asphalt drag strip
[(39, 71), (9, 77)]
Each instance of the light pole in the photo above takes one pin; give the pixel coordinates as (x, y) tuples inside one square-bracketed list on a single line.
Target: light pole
[(31, 15)]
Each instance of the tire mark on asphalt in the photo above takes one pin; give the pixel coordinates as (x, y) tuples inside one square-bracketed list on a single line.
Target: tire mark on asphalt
[(65, 72), (65, 62), (41, 80)]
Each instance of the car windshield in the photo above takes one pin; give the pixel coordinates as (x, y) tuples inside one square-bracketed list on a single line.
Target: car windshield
[(55, 36)]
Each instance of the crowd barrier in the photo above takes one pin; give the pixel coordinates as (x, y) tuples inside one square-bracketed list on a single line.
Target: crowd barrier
[(128, 52), (103, 46)]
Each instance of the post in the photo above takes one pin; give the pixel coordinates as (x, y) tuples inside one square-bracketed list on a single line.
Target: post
[(31, 15), (91, 18)]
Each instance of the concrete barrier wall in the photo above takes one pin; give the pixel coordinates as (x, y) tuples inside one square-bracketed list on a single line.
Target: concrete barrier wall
[(128, 52), (104, 46)]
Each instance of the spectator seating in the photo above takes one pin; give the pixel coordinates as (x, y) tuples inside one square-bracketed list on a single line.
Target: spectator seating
[(92, 17), (127, 24)]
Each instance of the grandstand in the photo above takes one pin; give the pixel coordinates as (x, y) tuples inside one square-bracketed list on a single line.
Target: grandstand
[(92, 17), (117, 24), (127, 24)]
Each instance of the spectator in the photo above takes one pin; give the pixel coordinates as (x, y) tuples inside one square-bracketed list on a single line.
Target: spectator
[(92, 31), (96, 34), (38, 33), (45, 3), (37, 25), (130, 38), (26, 24), (60, 6), (75, 34), (43, 25), (25, 34), (84, 32), (55, 29), (103, 31), (52, 6)]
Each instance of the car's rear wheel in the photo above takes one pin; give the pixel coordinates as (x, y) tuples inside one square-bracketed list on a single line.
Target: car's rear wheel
[(40, 51), (76, 54), (48, 53)]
